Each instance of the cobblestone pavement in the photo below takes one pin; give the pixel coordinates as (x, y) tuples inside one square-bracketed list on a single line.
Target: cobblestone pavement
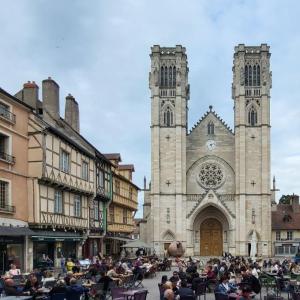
[(151, 284)]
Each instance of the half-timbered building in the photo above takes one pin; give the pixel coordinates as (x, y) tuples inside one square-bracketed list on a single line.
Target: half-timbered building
[(123, 206)]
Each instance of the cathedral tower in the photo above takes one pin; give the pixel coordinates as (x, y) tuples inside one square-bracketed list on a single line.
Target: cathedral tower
[(251, 86), (169, 87)]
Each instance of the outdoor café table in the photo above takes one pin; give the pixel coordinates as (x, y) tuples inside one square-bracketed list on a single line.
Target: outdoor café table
[(130, 293)]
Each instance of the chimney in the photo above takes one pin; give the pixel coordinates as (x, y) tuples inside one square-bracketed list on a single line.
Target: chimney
[(29, 94), (72, 112), (51, 97)]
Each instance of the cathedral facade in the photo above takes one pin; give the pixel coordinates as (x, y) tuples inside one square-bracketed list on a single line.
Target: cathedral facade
[(210, 186)]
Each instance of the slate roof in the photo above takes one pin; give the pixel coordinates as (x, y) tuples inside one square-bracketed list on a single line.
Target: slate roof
[(286, 218)]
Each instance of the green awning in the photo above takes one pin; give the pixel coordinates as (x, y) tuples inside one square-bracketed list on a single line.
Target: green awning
[(56, 236)]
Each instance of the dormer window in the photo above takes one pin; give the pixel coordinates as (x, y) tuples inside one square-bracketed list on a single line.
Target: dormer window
[(287, 218)]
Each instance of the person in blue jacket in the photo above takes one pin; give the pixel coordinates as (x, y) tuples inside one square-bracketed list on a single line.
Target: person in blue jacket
[(224, 287)]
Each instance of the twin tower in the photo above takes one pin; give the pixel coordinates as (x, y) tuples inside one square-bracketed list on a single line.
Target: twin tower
[(210, 187)]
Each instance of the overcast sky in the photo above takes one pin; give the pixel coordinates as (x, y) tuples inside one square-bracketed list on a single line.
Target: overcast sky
[(99, 52)]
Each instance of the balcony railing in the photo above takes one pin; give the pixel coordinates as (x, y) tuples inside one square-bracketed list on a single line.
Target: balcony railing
[(8, 158), (7, 208), (7, 115)]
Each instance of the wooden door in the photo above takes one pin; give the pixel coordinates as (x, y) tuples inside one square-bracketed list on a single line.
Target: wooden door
[(211, 238)]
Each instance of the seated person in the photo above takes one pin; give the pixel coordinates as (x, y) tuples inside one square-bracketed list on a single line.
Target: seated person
[(68, 277), (249, 280), (224, 287), (168, 293), (74, 291), (113, 274), (70, 265), (211, 275), (14, 271), (106, 280), (32, 285), (245, 294), (184, 291), (59, 288), (10, 288), (174, 282)]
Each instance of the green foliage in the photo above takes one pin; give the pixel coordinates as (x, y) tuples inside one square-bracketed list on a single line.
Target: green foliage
[(286, 199)]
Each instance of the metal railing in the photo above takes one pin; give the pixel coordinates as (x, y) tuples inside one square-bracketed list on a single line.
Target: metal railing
[(7, 208), (8, 158), (6, 114)]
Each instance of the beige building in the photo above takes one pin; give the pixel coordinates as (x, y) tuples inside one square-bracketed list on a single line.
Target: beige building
[(123, 206), (13, 182), (210, 187), (61, 166)]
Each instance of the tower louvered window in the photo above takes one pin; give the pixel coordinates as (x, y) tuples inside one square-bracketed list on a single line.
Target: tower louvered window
[(168, 77), (252, 75)]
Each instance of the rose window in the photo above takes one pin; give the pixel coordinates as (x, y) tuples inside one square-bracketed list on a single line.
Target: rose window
[(211, 175)]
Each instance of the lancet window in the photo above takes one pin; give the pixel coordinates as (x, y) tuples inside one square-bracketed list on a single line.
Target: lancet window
[(168, 116), (252, 116), (168, 77), (210, 128), (252, 75)]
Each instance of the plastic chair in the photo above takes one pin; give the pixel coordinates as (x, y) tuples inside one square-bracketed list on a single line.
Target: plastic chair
[(117, 293), (142, 295)]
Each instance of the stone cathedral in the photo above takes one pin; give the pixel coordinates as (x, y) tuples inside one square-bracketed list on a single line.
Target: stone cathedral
[(210, 186)]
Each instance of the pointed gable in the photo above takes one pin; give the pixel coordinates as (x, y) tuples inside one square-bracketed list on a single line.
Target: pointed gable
[(210, 115)]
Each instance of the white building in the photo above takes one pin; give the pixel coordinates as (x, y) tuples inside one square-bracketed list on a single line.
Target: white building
[(210, 187)]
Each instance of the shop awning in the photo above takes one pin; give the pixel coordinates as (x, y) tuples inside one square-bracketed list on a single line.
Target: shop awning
[(49, 236), (15, 231)]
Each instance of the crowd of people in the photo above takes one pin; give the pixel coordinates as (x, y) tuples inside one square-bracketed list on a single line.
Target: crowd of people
[(234, 277), (231, 277)]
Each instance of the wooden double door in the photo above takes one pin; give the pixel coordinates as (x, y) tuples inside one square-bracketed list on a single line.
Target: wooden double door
[(211, 238)]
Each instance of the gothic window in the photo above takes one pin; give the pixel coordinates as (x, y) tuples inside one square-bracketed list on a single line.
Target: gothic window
[(258, 75), (252, 75), (246, 75), (170, 76), (210, 128), (252, 116), (166, 77), (168, 118), (174, 77), (162, 76)]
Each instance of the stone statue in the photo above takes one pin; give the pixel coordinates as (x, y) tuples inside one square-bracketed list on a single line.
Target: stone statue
[(253, 251)]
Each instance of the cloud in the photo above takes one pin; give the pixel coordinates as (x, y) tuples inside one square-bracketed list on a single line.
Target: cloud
[(99, 52)]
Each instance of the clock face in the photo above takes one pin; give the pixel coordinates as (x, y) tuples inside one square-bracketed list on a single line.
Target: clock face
[(211, 144)]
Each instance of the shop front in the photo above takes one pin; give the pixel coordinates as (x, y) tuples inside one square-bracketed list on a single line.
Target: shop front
[(55, 245), (13, 243), (113, 245)]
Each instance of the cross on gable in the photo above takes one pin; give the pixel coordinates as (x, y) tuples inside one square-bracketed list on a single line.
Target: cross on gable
[(253, 137), (253, 183), (168, 137), (168, 182)]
